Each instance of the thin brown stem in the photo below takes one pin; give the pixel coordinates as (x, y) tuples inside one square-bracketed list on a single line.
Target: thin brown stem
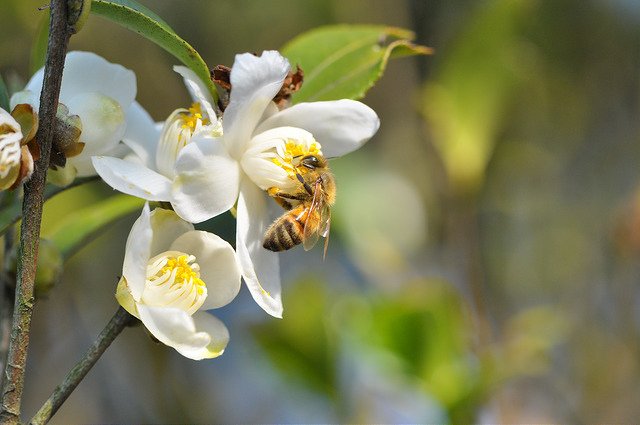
[(59, 33), (117, 323)]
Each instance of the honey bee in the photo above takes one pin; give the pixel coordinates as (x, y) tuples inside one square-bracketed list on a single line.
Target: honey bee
[(308, 213)]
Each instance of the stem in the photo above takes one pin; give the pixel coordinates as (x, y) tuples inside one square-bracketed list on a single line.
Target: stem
[(117, 323), (59, 33)]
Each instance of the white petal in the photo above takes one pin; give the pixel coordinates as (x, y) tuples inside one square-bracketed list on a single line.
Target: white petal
[(167, 227), (255, 80), (340, 126), (199, 92), (133, 179), (206, 182), (103, 121), (141, 134), (137, 253), (260, 267), (218, 266), (84, 165), (25, 96), (7, 120), (88, 72), (199, 337)]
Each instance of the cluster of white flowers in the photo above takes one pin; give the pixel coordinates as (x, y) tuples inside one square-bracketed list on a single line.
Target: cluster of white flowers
[(203, 165)]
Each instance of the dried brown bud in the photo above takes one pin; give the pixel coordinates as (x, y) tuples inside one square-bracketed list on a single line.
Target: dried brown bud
[(291, 84)]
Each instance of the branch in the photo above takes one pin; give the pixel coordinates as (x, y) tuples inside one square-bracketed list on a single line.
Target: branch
[(117, 323), (59, 34)]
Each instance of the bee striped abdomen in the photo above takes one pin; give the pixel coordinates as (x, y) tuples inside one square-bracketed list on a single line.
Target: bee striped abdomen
[(284, 234)]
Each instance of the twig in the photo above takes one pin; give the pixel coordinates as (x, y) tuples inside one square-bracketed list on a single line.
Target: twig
[(59, 34), (117, 323)]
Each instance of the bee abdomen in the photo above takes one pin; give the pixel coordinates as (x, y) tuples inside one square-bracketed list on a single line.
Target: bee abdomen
[(283, 234)]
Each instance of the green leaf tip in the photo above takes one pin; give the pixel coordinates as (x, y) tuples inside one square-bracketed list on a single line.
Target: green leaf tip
[(345, 61), (143, 21)]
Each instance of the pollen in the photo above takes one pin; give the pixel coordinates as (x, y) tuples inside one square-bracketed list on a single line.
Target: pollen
[(294, 150), (173, 280), (191, 117)]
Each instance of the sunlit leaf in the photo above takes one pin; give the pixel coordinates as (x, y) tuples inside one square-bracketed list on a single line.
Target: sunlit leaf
[(4, 95), (39, 46), (10, 214), (141, 20), (344, 61), (468, 100), (72, 232)]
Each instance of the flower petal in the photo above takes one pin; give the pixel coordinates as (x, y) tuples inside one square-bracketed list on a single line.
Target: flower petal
[(199, 92), (103, 121), (340, 126), (218, 266), (167, 227), (255, 80), (260, 267), (141, 134), (201, 336), (109, 79), (137, 253), (207, 180), (132, 178)]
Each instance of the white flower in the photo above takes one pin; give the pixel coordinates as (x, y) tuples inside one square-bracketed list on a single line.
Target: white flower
[(254, 153), (10, 149), (101, 93), (171, 275), (150, 173)]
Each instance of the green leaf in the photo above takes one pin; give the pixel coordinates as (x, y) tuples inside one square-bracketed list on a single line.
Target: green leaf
[(11, 213), (4, 95), (73, 231), (39, 47), (141, 20), (344, 61)]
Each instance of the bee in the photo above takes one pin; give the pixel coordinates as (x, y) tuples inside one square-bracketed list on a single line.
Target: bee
[(308, 213)]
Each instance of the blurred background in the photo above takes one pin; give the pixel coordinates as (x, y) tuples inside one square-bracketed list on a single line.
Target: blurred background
[(485, 246)]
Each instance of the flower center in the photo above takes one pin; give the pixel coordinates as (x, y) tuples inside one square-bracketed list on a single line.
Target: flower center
[(173, 280), (9, 151), (191, 117), (291, 153), (176, 134)]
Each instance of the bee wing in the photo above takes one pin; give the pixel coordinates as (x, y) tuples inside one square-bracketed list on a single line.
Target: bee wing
[(313, 223)]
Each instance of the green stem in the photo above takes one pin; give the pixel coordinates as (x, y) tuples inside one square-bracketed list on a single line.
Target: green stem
[(117, 323), (59, 34)]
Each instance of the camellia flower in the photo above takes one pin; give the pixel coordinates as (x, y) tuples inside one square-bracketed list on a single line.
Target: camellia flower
[(10, 149), (17, 132), (101, 94), (255, 154), (171, 275), (151, 172)]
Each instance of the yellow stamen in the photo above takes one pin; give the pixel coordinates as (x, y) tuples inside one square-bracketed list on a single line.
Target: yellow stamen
[(191, 117), (293, 153)]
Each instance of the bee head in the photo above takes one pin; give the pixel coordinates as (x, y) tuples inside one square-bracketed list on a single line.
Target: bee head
[(311, 162)]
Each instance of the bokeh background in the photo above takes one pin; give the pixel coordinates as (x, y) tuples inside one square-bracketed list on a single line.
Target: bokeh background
[(484, 256)]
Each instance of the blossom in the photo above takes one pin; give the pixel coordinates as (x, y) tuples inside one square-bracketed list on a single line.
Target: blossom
[(17, 132), (171, 275), (150, 173), (10, 149), (101, 94), (255, 153)]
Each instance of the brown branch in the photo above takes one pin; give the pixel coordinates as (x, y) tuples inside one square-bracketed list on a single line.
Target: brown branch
[(117, 323), (59, 34)]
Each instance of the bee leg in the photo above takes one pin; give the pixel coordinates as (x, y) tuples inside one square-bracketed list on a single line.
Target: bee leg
[(305, 184)]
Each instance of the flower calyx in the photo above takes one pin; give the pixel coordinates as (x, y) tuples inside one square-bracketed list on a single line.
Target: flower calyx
[(291, 84), (66, 137)]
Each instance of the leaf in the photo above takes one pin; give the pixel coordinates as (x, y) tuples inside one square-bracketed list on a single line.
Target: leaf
[(75, 229), (39, 47), (4, 95), (141, 20), (10, 214), (345, 61)]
